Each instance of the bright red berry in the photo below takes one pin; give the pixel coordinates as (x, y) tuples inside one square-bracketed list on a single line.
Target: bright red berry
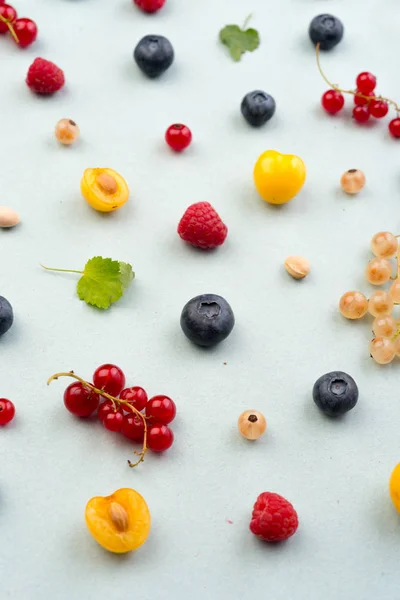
[(201, 226), (360, 114), (394, 128), (44, 77), (113, 420), (360, 101), (366, 82), (135, 396), (161, 409), (7, 411), (26, 31), (133, 428), (80, 400), (332, 101), (150, 6), (274, 519), (104, 409), (178, 137), (110, 379), (159, 438), (8, 13), (378, 109)]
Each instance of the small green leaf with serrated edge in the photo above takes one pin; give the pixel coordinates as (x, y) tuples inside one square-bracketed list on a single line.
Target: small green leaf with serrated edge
[(239, 40)]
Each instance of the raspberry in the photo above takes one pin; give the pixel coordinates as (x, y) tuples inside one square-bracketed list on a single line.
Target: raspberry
[(274, 519), (201, 226), (150, 6), (44, 77)]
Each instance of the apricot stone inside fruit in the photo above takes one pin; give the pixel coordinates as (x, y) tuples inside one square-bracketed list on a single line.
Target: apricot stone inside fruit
[(120, 522), (104, 189)]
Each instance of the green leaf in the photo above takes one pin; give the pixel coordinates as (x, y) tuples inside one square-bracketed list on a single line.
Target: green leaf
[(103, 281), (239, 40), (126, 274)]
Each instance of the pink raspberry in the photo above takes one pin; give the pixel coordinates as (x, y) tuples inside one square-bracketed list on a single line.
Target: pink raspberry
[(201, 226), (44, 77), (274, 519)]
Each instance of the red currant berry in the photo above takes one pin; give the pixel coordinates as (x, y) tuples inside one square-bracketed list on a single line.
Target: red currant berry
[(366, 82), (161, 409), (7, 411), (10, 14), (360, 101), (378, 109), (80, 400), (159, 438), (332, 101), (104, 409), (135, 396), (110, 379), (178, 137), (360, 114), (26, 31), (133, 428), (394, 128), (113, 420), (150, 6)]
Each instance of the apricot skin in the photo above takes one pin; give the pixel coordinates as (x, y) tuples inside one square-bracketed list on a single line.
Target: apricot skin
[(101, 198)]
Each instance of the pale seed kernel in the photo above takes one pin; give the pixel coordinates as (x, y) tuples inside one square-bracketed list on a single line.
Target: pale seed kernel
[(297, 266), (118, 516), (107, 183)]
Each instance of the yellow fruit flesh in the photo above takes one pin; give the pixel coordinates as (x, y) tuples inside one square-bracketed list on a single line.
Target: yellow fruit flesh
[(97, 191), (279, 177), (394, 487), (120, 522)]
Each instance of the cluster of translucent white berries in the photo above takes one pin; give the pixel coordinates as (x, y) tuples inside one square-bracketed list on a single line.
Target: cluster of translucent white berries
[(354, 305)]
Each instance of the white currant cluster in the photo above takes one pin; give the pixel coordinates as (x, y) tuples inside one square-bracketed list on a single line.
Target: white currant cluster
[(354, 305)]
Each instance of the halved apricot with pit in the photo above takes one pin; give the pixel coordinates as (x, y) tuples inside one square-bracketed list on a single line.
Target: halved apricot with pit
[(120, 522), (104, 189)]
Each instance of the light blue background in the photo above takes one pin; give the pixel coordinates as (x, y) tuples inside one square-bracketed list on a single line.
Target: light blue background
[(287, 333)]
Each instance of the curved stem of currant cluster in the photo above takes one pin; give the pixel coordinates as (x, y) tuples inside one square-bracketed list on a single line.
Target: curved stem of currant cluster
[(335, 87), (10, 27), (115, 402)]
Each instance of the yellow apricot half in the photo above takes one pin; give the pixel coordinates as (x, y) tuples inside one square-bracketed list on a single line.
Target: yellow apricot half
[(120, 522), (104, 189)]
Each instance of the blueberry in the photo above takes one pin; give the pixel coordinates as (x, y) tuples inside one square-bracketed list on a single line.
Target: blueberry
[(6, 315), (326, 30), (154, 54), (207, 320), (335, 393), (257, 108)]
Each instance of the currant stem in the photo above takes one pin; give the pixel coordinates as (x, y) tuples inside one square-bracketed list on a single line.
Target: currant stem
[(115, 402), (10, 27), (351, 92), (62, 271)]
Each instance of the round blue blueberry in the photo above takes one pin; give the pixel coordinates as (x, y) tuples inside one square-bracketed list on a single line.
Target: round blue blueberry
[(206, 320), (258, 107), (335, 393), (6, 315), (154, 54), (326, 30)]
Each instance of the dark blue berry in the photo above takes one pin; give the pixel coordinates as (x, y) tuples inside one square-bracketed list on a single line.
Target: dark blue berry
[(257, 108), (335, 393), (6, 315), (326, 30), (154, 54), (207, 320)]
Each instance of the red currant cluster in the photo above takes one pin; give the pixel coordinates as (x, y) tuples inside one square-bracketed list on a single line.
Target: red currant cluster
[(23, 31), (367, 103), (122, 410)]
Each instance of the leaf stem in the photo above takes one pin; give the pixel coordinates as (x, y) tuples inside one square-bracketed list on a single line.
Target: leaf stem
[(335, 87), (115, 402), (62, 270), (247, 20)]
